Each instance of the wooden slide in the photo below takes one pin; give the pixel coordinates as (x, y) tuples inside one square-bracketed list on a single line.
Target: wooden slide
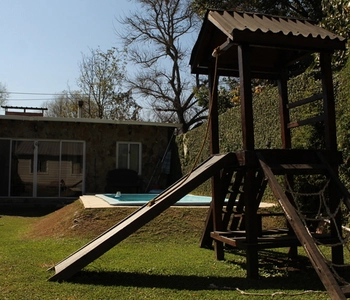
[(107, 240)]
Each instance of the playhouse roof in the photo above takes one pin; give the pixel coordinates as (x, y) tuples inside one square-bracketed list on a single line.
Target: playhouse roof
[(275, 42)]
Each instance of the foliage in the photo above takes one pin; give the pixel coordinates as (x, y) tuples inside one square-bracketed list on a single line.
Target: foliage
[(228, 94), (337, 19), (342, 91), (310, 9), (155, 43), (101, 78)]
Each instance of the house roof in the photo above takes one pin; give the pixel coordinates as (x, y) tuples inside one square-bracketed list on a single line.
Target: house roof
[(86, 120), (275, 41)]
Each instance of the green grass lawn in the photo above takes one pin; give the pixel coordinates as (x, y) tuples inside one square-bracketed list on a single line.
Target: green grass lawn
[(150, 264)]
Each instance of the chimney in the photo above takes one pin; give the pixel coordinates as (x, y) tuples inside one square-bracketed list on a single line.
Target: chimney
[(80, 108)]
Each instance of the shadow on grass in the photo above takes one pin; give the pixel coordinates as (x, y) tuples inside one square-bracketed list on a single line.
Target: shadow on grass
[(27, 212), (195, 283)]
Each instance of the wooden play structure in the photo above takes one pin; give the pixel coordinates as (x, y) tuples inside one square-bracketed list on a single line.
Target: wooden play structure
[(249, 45)]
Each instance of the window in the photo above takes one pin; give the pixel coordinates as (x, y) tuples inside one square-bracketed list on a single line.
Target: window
[(77, 167), (129, 156), (41, 166)]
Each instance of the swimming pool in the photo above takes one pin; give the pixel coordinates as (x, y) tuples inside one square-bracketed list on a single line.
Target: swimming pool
[(140, 199)]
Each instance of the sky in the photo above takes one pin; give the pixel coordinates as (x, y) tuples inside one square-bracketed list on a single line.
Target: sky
[(42, 42)]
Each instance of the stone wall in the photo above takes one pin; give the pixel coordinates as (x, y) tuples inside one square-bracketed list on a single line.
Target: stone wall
[(100, 140)]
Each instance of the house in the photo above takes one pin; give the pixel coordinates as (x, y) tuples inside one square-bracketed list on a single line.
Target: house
[(44, 159)]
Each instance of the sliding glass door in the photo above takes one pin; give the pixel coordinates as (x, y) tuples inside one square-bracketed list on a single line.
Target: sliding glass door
[(5, 147), (22, 158), (72, 168), (46, 168), (41, 168)]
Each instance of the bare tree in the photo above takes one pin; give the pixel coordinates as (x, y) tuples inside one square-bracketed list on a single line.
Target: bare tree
[(65, 105), (3, 94), (101, 79), (155, 41)]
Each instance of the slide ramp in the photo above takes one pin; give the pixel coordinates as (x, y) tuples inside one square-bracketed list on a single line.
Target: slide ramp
[(107, 240)]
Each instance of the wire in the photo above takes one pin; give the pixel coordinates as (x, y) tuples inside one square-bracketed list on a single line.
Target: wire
[(43, 94), (26, 99), (35, 94)]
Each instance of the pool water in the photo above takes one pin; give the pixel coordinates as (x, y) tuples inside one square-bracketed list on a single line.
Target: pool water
[(140, 199)]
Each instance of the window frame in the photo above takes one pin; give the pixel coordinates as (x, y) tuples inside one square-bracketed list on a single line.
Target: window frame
[(139, 171), (39, 163)]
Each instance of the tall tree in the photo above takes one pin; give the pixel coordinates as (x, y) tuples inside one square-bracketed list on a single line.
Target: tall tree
[(101, 79), (156, 43)]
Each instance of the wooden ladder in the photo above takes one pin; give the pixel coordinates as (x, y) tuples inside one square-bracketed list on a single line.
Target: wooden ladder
[(233, 217)]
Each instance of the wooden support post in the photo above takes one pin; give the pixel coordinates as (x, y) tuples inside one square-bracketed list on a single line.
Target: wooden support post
[(328, 101), (331, 144), (251, 217), (286, 139), (248, 144), (246, 97), (214, 149), (284, 113)]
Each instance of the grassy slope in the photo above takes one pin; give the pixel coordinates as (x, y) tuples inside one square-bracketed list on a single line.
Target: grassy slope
[(160, 261)]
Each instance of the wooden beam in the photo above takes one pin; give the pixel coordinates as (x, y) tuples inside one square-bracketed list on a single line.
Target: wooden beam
[(298, 169), (246, 96), (251, 219), (284, 113), (308, 121), (346, 290), (214, 149), (336, 225), (222, 48), (305, 101), (328, 101), (213, 110)]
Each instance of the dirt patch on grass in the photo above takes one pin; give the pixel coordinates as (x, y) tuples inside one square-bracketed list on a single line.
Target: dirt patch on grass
[(175, 223), (75, 221)]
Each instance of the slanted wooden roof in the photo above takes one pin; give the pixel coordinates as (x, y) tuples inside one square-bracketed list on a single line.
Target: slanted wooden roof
[(275, 42)]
